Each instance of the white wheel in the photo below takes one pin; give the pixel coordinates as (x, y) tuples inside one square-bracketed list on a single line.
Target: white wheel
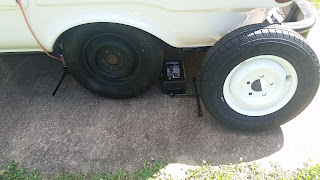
[(259, 77), (260, 85)]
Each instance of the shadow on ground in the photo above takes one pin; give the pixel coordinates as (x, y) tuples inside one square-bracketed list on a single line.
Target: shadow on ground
[(82, 131)]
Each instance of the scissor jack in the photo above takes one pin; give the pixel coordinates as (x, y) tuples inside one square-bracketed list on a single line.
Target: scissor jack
[(174, 81)]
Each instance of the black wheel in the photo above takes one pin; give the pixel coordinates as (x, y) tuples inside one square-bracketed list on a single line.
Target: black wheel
[(259, 77), (113, 60)]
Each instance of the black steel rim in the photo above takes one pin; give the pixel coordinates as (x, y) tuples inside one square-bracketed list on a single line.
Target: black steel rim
[(111, 59)]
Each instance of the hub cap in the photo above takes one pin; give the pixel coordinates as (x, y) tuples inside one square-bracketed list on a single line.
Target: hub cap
[(260, 85)]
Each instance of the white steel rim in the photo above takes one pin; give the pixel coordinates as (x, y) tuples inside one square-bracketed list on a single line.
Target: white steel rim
[(260, 85)]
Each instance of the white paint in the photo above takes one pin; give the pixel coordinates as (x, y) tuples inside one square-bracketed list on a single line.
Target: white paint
[(179, 23), (7, 3), (277, 89)]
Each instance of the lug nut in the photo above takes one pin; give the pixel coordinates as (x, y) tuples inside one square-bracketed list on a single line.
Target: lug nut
[(261, 76), (248, 82), (264, 94), (250, 94), (271, 83)]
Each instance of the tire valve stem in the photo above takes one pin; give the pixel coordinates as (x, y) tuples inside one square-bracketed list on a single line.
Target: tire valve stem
[(288, 77)]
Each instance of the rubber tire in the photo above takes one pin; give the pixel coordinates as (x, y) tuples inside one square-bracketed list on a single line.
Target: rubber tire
[(149, 55), (247, 42)]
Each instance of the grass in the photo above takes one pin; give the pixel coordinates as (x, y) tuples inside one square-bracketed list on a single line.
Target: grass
[(252, 171), (151, 171), (316, 3), (146, 171), (15, 172)]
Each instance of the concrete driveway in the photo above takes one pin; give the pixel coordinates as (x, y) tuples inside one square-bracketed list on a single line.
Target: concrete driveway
[(82, 131)]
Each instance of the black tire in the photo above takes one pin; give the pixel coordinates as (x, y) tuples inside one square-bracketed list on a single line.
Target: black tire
[(113, 60), (254, 41)]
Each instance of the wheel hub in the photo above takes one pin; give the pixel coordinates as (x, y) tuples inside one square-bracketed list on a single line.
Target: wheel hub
[(112, 59)]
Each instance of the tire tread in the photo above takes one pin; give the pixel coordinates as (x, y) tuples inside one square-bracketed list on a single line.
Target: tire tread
[(244, 35)]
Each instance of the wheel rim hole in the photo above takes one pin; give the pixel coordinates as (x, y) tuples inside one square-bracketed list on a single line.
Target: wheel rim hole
[(259, 85)]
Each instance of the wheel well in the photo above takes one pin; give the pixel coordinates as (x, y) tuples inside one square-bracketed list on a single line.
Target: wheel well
[(58, 45), (112, 60)]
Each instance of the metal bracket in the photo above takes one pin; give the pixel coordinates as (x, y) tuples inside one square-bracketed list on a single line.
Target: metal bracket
[(60, 82), (65, 71), (200, 113)]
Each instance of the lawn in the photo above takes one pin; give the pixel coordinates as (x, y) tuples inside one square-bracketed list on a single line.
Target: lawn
[(316, 3), (153, 171)]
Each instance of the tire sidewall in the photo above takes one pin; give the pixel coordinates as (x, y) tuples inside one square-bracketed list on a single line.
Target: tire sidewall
[(295, 54), (148, 51)]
